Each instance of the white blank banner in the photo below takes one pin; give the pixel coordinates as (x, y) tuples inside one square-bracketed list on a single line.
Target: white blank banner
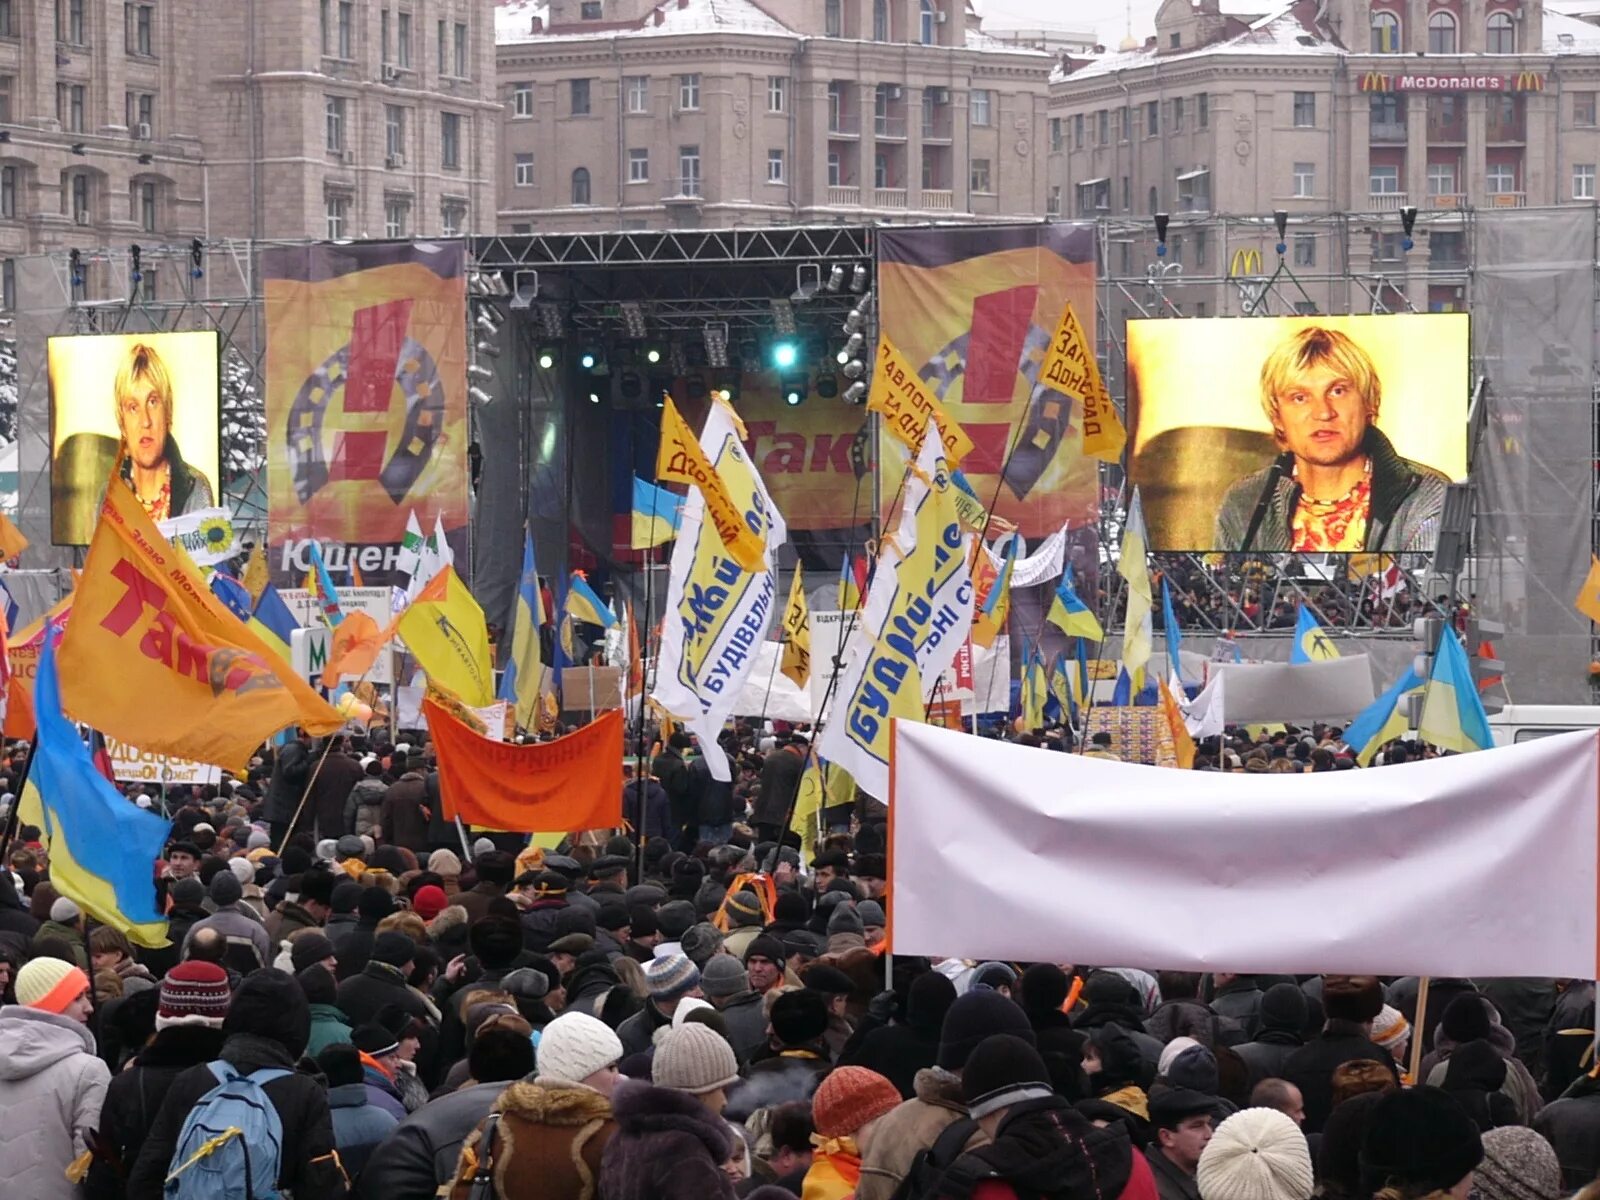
[(1478, 864)]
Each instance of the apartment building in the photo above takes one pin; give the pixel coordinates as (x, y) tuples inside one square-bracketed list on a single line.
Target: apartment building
[(636, 114)]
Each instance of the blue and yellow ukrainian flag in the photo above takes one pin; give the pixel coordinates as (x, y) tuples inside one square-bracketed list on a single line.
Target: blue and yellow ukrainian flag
[(1383, 720), (323, 590), (1311, 641), (990, 619), (656, 514), (584, 605), (1174, 636), (103, 847), (273, 622), (524, 671), (1452, 713), (1061, 685), (1070, 614), (1080, 677)]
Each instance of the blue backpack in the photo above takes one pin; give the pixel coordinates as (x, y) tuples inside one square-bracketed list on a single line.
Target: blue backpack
[(231, 1144)]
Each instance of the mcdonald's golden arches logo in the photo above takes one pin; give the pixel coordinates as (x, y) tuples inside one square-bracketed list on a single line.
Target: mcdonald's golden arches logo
[(1377, 81), (1246, 261), (1530, 81)]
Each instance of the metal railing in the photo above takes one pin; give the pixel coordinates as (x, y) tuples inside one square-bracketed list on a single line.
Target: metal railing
[(1386, 201)]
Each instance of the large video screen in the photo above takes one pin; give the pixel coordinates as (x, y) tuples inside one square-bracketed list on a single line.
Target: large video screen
[(1321, 434), (143, 404)]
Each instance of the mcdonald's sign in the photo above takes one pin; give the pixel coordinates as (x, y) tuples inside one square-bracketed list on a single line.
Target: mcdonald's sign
[(1529, 81), (1246, 261), (1377, 81)]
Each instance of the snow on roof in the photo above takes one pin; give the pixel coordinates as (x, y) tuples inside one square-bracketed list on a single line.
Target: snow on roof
[(1565, 34), (713, 16), (513, 19), (1279, 32)]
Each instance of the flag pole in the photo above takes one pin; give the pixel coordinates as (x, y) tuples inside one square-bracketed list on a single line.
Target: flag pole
[(306, 795), (1419, 1028)]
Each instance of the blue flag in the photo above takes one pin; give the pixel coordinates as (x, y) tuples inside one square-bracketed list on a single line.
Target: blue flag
[(1452, 713), (1173, 635), (1381, 721), (1311, 641)]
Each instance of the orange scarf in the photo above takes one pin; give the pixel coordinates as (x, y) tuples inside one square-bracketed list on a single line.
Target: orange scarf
[(835, 1169)]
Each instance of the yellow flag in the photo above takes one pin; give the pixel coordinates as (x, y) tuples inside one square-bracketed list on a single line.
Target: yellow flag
[(1588, 601), (12, 543), (150, 656), (1182, 743), (1070, 368), (255, 577), (906, 402), (445, 629), (681, 458), (808, 803), (797, 633)]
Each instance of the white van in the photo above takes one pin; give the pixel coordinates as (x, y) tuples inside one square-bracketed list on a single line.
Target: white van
[(1525, 722)]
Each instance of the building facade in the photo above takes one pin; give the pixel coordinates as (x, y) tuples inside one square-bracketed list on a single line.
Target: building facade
[(633, 114)]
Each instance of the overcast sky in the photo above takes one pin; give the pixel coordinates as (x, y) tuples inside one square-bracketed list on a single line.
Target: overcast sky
[(1107, 17)]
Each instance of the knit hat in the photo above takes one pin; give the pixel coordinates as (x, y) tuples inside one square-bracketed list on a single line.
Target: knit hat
[(700, 942), (64, 911), (257, 839), (394, 948), (1256, 1154), (975, 1016), (1351, 997), (675, 919), (1518, 1164), (799, 1018), (694, 1058), (670, 977), (444, 862), (723, 976), (310, 947), (575, 1046), (1044, 987), (225, 889), (612, 917), (429, 901), (768, 947), (871, 914), (1421, 1138), (189, 892), (1003, 1070), (49, 984), (744, 909), (243, 869), (1390, 1029), (844, 920), (1170, 1052), (687, 1007), (1195, 1069), (848, 1098), (194, 993), (1465, 1019), (372, 1038), (1283, 1007)]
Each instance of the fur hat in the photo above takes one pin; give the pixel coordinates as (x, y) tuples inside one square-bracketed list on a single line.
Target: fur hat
[(975, 1016), (1356, 998), (1256, 1154), (799, 1018), (1420, 1139)]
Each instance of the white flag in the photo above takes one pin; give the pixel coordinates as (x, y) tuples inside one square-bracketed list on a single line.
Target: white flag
[(410, 546), (207, 535)]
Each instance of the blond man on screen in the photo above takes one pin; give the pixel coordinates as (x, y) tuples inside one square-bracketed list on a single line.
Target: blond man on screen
[(151, 465), (1337, 484)]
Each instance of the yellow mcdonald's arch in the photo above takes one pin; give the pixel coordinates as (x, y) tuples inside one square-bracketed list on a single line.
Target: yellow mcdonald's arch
[(1246, 261), (1375, 81), (1530, 81)]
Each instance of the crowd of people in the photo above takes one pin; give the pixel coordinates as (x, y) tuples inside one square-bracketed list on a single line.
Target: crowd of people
[(694, 1010)]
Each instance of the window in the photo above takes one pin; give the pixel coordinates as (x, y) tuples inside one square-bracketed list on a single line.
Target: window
[(1055, 135), (402, 40), (450, 140), (522, 99), (1094, 197), (639, 165), (1442, 179), (394, 131), (590, 10), (327, 28), (80, 199), (1202, 243), (1388, 247), (1305, 249), (1583, 181), (347, 29), (144, 198), (138, 29), (1175, 39), (1305, 110), (139, 110), (1385, 33), (8, 193), (1386, 116), (69, 21), (1121, 115), (1077, 131), (453, 217), (1152, 118), (927, 28), (8, 28), (396, 216), (443, 47), (832, 21), (461, 50), (337, 210), (1052, 206), (334, 109), (383, 37), (524, 170), (1194, 190), (930, 173), (835, 169), (688, 92), (689, 170), (1152, 202), (980, 106), (1202, 116), (1500, 179), (1583, 109), (580, 185), (1127, 196), (70, 106), (579, 91), (880, 20), (1502, 32), (1102, 128), (1383, 180), (775, 166), (880, 170), (777, 93), (1177, 114), (638, 93), (980, 181), (1305, 179), (1441, 33)]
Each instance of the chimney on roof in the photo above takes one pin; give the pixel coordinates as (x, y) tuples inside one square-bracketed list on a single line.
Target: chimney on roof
[(683, 3), (538, 24), (1150, 42), (1099, 48)]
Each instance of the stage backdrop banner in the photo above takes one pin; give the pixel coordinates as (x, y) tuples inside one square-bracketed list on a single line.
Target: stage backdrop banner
[(366, 402), (1000, 851), (974, 310)]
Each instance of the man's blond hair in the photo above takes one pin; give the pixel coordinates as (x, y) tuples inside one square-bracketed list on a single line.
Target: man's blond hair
[(142, 368), (1317, 346)]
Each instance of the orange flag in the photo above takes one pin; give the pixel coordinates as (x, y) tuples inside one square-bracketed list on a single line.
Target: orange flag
[(570, 784), (152, 657), (12, 543), (357, 641), (22, 657)]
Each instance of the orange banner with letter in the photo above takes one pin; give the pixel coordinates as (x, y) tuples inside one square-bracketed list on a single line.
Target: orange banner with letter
[(152, 657), (570, 784)]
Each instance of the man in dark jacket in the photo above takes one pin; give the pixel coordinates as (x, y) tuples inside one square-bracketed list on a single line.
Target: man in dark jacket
[(541, 920), (673, 773), (310, 908), (712, 800), (899, 1050), (1183, 1014), (383, 982), (267, 1025), (727, 987), (1351, 1002), (1181, 1119), (1572, 1126), (1042, 991), (187, 897), (336, 778), (1237, 998), (1566, 1038), (290, 774), (780, 779), (403, 819), (657, 818), (495, 870), (354, 947), (798, 1059), (1283, 1020)]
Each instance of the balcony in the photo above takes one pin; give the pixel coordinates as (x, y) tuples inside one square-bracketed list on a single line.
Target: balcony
[(886, 128), (1447, 133), (687, 190), (1501, 132), (1506, 200), (936, 129), (1388, 131), (889, 197), (1446, 201), (844, 124), (1386, 201), (938, 199), (844, 197)]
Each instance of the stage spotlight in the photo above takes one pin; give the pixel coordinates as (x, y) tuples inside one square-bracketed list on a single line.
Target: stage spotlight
[(858, 277), (547, 357), (856, 393), (487, 348), (592, 358), (854, 345), (842, 357), (479, 371), (836, 277), (716, 339), (633, 318), (594, 397), (855, 369), (827, 385), (652, 354), (795, 389), (488, 322), (478, 394), (785, 355)]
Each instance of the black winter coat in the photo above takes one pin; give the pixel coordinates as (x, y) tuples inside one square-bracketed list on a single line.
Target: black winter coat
[(712, 799), (363, 996), (1572, 1126), (289, 776), (1311, 1067), (668, 1146), (335, 780), (897, 1052), (780, 779), (309, 1166), (1266, 1055)]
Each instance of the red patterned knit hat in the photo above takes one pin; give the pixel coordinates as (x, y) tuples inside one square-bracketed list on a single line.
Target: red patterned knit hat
[(850, 1097), (194, 993)]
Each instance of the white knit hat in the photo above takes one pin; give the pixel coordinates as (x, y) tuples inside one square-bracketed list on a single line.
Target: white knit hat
[(686, 1006), (575, 1046), (1171, 1051), (1256, 1154), (694, 1059), (1390, 1029), (243, 869)]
